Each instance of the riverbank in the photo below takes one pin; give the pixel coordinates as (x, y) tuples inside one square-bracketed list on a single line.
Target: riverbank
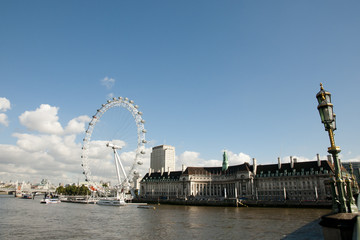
[(239, 203)]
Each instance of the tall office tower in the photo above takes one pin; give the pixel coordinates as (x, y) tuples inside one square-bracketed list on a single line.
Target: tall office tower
[(162, 158)]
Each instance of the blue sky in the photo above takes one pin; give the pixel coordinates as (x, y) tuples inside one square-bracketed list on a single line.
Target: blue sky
[(208, 76)]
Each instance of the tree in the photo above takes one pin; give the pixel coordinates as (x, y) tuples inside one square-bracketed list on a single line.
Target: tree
[(73, 190)]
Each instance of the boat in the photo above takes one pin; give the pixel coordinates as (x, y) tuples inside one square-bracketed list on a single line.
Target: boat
[(111, 202), (27, 196), (83, 200), (50, 200)]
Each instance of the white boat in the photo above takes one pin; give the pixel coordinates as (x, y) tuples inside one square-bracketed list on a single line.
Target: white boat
[(50, 200), (111, 202), (83, 200)]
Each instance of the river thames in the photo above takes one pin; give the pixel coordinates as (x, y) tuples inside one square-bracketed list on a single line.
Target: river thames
[(28, 219)]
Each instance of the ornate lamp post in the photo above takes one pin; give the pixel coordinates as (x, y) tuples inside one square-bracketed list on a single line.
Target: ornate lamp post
[(328, 118)]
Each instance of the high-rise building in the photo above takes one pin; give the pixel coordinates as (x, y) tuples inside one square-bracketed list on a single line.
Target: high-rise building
[(162, 158)]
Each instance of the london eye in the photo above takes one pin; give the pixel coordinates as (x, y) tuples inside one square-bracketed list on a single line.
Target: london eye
[(113, 145)]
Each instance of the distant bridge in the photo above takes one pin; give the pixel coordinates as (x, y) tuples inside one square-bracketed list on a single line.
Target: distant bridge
[(13, 190)]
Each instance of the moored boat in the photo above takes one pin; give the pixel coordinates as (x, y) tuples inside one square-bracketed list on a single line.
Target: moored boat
[(27, 196), (50, 200), (83, 200), (111, 202)]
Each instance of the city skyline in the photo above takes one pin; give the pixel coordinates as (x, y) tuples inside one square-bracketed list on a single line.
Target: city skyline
[(208, 76)]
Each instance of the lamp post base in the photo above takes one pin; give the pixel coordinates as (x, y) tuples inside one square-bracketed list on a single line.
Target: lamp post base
[(340, 226)]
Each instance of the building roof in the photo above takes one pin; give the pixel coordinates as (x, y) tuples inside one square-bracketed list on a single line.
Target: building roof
[(157, 175), (307, 166), (298, 166), (216, 170), (163, 146)]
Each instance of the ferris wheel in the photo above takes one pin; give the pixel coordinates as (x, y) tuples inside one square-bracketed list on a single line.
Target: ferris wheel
[(125, 133)]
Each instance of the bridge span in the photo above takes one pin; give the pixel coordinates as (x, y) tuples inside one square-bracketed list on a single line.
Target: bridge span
[(32, 191)]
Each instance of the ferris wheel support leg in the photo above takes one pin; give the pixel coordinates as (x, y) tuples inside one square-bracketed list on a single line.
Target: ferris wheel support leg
[(119, 162), (117, 166)]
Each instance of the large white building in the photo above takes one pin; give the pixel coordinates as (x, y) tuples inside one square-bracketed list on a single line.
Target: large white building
[(162, 159), (294, 181)]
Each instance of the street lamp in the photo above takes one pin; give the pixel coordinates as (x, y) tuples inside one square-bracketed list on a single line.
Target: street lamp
[(328, 118)]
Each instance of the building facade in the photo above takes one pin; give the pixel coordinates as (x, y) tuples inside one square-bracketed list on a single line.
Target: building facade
[(305, 181), (162, 159)]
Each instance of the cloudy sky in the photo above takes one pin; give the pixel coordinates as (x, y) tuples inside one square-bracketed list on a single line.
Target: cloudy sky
[(208, 75)]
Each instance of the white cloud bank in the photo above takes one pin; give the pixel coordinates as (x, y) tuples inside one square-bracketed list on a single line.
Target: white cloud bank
[(45, 120), (53, 152), (4, 106), (49, 151), (193, 159)]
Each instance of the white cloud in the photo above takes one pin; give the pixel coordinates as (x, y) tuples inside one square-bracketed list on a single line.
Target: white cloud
[(4, 106), (108, 82), (44, 120), (77, 125), (236, 159), (110, 95), (192, 159), (50, 152), (4, 119), (354, 159)]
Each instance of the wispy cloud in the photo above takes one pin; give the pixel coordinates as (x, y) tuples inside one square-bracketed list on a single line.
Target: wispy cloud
[(108, 82), (4, 106)]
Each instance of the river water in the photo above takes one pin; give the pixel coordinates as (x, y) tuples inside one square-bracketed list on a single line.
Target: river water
[(28, 219)]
